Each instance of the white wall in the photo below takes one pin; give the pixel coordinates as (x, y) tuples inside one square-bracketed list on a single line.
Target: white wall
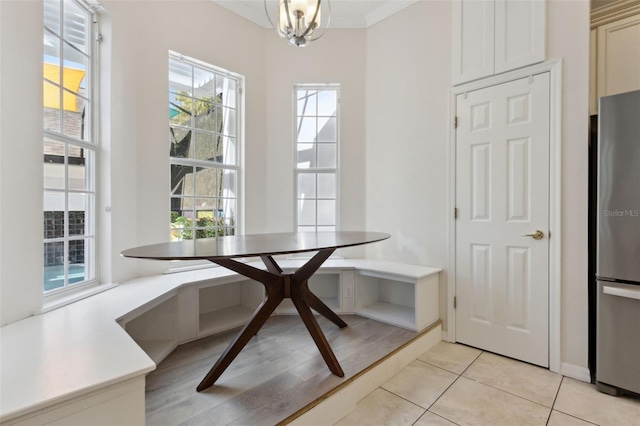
[(21, 228), (407, 136), (568, 38), (408, 77)]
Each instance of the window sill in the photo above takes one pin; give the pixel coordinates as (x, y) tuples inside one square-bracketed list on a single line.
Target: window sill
[(57, 301)]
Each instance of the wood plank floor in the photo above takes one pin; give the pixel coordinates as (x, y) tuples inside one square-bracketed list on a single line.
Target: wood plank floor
[(277, 373)]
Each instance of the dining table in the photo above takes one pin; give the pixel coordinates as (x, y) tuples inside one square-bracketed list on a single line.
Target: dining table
[(232, 252)]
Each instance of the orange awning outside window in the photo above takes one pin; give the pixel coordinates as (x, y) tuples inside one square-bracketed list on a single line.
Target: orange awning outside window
[(71, 78)]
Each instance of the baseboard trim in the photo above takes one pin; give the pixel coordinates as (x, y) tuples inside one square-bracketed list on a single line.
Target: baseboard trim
[(335, 405), (575, 372)]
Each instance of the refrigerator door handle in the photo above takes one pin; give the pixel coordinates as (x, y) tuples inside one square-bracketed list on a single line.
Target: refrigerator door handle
[(621, 292)]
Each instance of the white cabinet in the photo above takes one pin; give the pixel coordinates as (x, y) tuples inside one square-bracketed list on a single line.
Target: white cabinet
[(222, 307), (618, 56), (494, 36), (398, 300), (325, 285), (155, 327), (395, 293)]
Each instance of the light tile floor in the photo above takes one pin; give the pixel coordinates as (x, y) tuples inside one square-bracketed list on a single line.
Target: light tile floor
[(453, 384)]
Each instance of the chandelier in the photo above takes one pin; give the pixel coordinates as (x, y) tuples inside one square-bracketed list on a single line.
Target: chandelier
[(298, 21)]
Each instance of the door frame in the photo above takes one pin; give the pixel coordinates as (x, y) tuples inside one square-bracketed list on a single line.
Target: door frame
[(554, 68)]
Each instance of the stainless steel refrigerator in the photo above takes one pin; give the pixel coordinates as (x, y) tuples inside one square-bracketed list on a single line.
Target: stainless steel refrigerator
[(618, 244)]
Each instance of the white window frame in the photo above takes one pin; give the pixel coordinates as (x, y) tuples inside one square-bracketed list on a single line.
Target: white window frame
[(316, 170), (238, 167), (91, 162)]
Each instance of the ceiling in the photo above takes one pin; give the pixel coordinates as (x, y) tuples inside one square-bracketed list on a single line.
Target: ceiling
[(344, 13)]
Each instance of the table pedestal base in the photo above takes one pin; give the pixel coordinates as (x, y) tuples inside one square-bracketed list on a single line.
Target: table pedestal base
[(279, 286)]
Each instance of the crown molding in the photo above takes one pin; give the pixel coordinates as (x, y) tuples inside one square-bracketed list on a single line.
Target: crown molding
[(614, 11), (257, 15)]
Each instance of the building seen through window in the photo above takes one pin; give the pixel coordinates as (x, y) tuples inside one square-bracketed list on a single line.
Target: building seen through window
[(69, 145)]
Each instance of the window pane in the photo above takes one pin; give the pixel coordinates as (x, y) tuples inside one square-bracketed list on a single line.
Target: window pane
[(306, 129), (51, 107), (181, 146), (53, 224), (226, 213), (204, 84), (327, 157), (77, 211), (55, 202), (228, 125), (326, 185), (180, 78), (306, 155), (180, 110), (327, 132), (206, 181), (326, 212), (52, 16), (76, 261), (208, 146), (205, 117), (307, 102), (74, 73), (51, 46), (306, 185), (229, 151), (229, 184), (327, 102), (77, 224), (74, 116), (226, 91), (78, 176), (326, 228), (181, 179), (75, 25), (53, 265), (54, 169), (306, 212), (306, 229)]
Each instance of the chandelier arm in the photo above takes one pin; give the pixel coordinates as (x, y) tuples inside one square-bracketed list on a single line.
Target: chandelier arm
[(286, 9), (328, 22), (313, 20), (266, 11)]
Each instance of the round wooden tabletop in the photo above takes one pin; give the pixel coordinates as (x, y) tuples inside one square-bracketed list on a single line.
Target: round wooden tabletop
[(253, 245)]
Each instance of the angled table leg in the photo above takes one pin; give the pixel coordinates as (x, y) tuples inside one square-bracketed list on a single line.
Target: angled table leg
[(250, 329), (274, 290), (298, 298), (277, 287)]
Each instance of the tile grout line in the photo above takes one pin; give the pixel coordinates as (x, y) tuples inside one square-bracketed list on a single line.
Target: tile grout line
[(449, 387), (443, 392)]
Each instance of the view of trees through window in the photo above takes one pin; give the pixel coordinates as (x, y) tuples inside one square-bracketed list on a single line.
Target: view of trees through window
[(203, 119)]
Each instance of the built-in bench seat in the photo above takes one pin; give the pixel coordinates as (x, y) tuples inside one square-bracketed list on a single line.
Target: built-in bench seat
[(85, 363)]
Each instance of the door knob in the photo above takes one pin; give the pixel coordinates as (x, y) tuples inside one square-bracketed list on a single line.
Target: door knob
[(537, 235)]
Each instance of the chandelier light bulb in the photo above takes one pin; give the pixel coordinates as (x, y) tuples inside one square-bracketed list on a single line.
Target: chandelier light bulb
[(298, 21)]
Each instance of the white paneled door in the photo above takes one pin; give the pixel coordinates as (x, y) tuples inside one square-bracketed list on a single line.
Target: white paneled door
[(502, 201)]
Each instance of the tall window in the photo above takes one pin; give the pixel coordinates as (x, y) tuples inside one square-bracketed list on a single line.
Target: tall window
[(317, 137), (204, 131), (69, 145)]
